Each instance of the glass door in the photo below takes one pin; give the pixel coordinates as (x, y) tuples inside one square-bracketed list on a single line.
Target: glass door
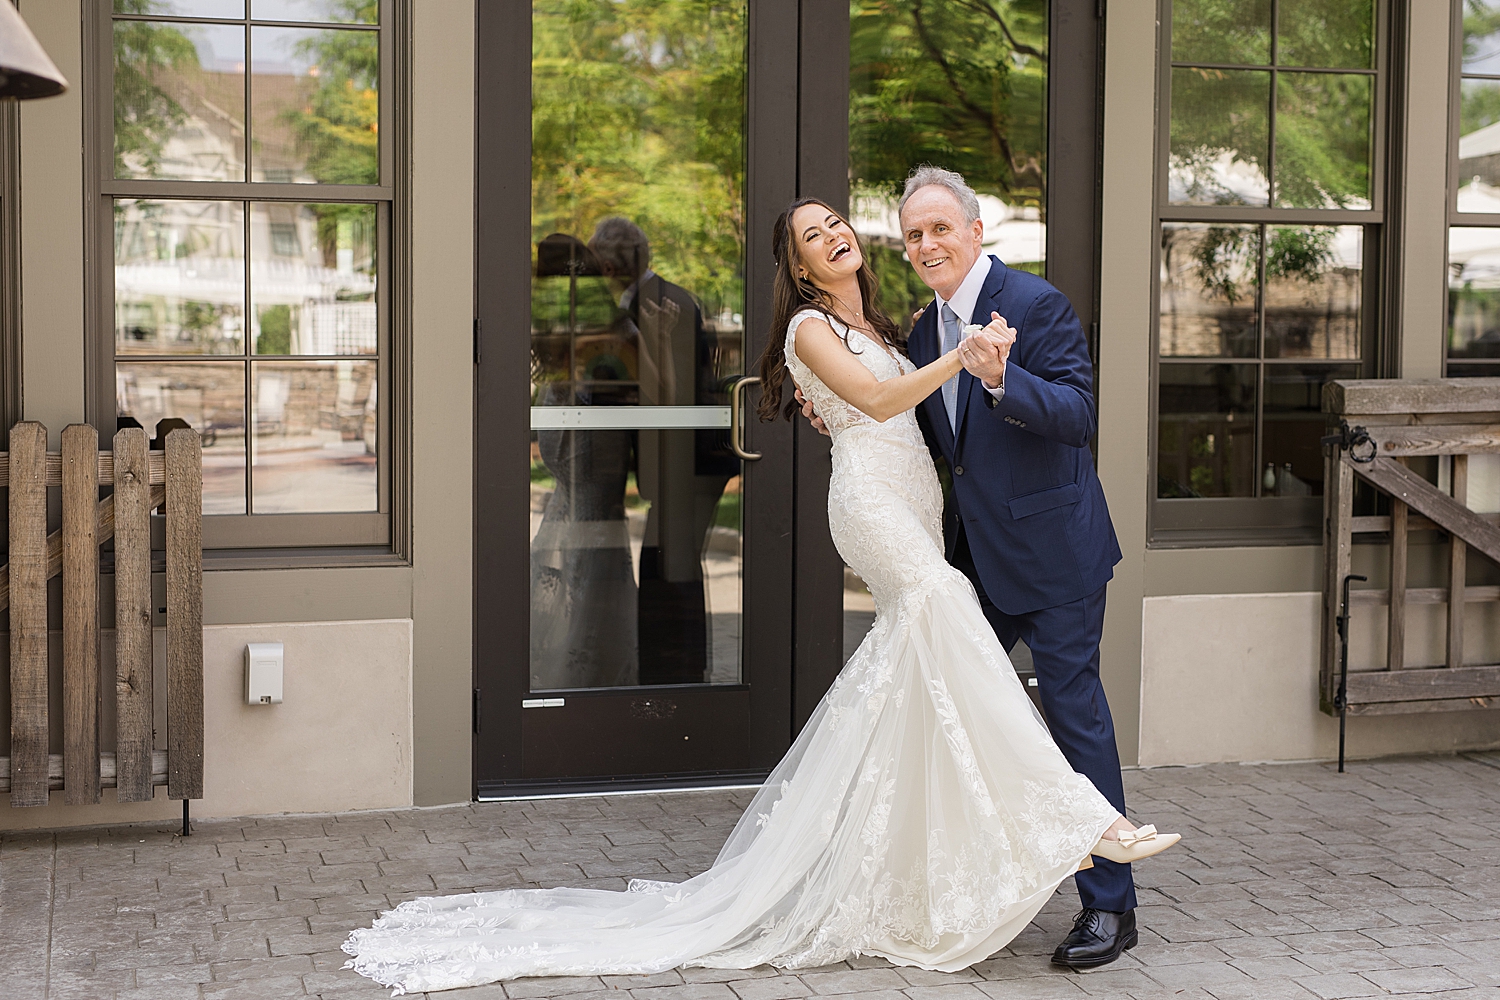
[(634, 336)]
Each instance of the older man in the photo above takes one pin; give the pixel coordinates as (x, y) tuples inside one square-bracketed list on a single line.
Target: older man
[(1027, 521)]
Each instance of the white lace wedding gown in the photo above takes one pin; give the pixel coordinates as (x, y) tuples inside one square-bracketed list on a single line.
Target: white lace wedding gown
[(924, 813)]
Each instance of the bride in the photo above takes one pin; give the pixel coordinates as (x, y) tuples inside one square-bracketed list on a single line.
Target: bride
[(924, 814)]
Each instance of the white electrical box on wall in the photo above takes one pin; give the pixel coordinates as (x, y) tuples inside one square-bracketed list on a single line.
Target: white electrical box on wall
[(263, 663)]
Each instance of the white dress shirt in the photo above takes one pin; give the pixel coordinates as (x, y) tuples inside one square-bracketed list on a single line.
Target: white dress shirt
[(963, 303)]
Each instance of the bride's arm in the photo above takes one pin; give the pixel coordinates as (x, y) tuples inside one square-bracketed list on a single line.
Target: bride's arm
[(824, 352)]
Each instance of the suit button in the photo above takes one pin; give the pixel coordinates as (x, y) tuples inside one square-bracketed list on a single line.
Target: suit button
[(958, 471)]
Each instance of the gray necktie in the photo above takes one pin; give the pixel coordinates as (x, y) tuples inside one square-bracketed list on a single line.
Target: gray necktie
[(950, 387)]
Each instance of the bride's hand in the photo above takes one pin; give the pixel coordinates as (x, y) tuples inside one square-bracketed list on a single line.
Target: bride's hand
[(984, 353), (812, 415)]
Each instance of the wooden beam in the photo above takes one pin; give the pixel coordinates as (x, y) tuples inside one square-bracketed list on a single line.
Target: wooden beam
[(1435, 439), (1379, 524), (1424, 684), (80, 613), (1395, 649), (184, 614), (1354, 397), (28, 615), (1458, 568), (107, 770), (1428, 705), (1422, 595), (1338, 507), (1401, 483), (133, 648), (158, 463)]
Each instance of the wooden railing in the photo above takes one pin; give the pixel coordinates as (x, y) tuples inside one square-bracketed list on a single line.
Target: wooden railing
[(1385, 422), (143, 479)]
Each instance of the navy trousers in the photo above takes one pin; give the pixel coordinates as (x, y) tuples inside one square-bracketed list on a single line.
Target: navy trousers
[(1064, 644)]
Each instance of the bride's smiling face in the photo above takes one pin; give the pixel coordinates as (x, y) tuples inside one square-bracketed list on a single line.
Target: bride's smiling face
[(827, 251)]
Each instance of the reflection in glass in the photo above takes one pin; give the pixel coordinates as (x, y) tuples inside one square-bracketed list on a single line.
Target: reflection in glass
[(211, 398), (1293, 422), (1323, 140), (1219, 139), (1205, 445), (1222, 31), (315, 106), (1313, 285), (312, 278), (637, 301), (1481, 26), (315, 436), (179, 101), (345, 11), (957, 84), (182, 8), (179, 277), (1209, 290), (1479, 146), (1473, 293), (1328, 34)]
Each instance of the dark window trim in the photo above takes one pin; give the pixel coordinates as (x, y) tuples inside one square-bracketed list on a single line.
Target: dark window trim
[(1213, 522), (278, 540)]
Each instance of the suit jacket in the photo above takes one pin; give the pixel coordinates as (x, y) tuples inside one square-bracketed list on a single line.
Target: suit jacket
[(1023, 478)]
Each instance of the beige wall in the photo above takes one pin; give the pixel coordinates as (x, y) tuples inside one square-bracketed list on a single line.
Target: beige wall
[(385, 721)]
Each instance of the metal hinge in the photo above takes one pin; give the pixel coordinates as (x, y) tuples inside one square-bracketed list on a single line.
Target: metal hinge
[(478, 704), (542, 702), (478, 350)]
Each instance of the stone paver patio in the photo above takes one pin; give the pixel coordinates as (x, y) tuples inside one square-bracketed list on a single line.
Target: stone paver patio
[(1293, 881)]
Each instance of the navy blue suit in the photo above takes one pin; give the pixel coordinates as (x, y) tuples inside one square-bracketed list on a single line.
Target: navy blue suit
[(1028, 524)]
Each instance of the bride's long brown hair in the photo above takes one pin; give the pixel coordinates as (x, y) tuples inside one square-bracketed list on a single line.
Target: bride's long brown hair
[(793, 293)]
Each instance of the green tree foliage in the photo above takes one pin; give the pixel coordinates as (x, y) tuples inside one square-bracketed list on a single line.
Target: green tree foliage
[(146, 115), (338, 127), (638, 110), (1479, 104)]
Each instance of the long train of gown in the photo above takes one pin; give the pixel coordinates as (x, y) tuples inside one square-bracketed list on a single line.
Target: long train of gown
[(923, 815)]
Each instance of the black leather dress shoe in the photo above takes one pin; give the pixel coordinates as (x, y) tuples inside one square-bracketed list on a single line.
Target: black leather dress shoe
[(1098, 938)]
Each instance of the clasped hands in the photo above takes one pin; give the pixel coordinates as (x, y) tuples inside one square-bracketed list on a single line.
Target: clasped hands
[(983, 353)]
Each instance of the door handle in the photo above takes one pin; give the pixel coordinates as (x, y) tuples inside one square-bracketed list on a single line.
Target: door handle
[(736, 430)]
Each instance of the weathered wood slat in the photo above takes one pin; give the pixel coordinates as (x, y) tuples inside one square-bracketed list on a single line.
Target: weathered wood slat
[(80, 618), (1419, 685), (1395, 648), (1425, 705), (184, 615), (1353, 397), (28, 614), (1403, 484), (1458, 568), (106, 469), (107, 770), (1435, 439), (133, 684), (1422, 595), (1380, 523)]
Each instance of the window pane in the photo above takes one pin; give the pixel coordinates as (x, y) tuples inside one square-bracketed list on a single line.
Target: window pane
[(315, 106), (1205, 437), (1314, 277), (179, 101), (1293, 423), (1222, 31), (1323, 140), (948, 84), (1479, 146), (637, 213), (179, 277), (312, 278), (315, 426), (1473, 293), (1481, 25), (184, 8), (347, 11), (1333, 34), (1219, 137), (1209, 290), (1490, 370), (211, 398)]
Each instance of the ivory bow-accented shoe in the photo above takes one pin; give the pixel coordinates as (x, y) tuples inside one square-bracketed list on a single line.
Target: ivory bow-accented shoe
[(1135, 845)]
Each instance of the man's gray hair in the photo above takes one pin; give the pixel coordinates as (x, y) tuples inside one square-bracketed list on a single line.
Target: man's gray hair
[(622, 245), (927, 175)]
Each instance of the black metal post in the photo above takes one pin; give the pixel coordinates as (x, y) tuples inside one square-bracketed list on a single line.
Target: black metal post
[(187, 831), (1341, 699)]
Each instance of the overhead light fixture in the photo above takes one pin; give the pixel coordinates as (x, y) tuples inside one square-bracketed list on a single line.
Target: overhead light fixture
[(26, 71)]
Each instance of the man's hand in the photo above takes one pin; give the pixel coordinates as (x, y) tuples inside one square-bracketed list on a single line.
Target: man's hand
[(812, 415), (984, 353)]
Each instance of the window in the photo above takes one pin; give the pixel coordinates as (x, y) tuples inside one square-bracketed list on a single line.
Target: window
[(245, 204), (1473, 342), (1269, 208)]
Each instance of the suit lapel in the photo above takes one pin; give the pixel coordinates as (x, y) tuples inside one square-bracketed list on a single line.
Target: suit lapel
[(988, 302)]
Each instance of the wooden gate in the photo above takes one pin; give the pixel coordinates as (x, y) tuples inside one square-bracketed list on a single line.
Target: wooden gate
[(144, 477), (1385, 423)]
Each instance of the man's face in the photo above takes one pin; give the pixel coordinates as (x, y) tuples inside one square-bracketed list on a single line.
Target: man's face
[(940, 244)]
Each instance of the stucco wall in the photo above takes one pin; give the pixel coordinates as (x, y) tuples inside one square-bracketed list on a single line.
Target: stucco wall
[(1234, 677)]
